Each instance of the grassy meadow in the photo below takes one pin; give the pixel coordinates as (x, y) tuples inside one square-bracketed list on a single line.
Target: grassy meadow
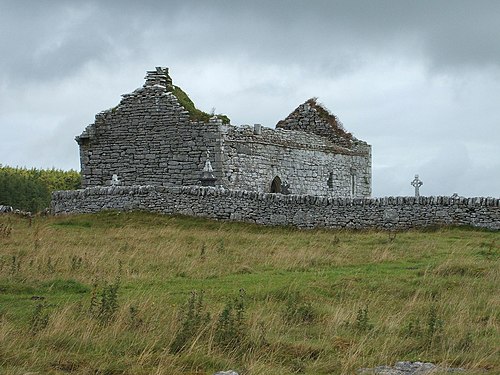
[(139, 293)]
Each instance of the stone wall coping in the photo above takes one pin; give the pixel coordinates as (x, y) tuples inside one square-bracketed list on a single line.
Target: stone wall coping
[(253, 195)]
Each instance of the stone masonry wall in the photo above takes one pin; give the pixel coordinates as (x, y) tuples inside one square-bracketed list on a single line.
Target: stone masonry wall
[(308, 163), (147, 139), (304, 211), (311, 117)]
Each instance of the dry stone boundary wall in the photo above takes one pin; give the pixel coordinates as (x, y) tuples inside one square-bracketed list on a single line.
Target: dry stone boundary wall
[(303, 211)]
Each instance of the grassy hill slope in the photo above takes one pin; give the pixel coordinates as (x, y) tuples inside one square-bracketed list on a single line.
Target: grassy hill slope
[(138, 293)]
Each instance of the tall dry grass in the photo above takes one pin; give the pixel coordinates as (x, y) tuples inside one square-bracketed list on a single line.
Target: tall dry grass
[(315, 302)]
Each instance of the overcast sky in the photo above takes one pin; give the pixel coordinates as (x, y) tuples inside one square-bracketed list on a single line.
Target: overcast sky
[(418, 80)]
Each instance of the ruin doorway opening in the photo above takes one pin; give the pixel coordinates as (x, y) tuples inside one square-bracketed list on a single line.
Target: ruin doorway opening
[(276, 185)]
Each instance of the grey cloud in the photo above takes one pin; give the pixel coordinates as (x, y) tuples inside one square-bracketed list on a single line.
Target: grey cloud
[(400, 74), (326, 36)]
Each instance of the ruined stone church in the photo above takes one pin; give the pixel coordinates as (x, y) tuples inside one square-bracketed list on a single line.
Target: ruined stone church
[(156, 136)]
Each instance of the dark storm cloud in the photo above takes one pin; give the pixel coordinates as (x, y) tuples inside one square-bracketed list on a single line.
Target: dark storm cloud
[(53, 40), (448, 33), (47, 40)]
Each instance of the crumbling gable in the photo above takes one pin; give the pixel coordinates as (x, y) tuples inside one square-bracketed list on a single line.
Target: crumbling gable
[(154, 136), (312, 117)]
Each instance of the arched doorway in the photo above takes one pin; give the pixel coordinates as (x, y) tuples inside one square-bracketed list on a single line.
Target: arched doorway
[(276, 185)]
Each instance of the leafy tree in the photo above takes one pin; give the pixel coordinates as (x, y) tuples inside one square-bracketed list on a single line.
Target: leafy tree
[(30, 189)]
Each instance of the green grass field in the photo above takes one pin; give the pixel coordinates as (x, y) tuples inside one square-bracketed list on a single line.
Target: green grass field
[(139, 293)]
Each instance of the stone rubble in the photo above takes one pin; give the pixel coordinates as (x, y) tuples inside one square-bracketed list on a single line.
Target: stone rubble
[(5, 209), (408, 368), (9, 209)]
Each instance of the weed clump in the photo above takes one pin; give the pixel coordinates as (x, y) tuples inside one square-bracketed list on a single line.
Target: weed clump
[(194, 319), (5, 230), (39, 319), (231, 329), (298, 311), (362, 322), (427, 331), (104, 302), (194, 113)]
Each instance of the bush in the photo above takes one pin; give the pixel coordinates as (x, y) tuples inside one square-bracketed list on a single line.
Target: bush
[(30, 189)]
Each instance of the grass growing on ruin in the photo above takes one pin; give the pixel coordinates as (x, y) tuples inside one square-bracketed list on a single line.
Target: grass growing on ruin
[(194, 113), (137, 293)]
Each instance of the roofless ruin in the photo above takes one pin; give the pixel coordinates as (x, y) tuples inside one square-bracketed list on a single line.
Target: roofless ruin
[(156, 136)]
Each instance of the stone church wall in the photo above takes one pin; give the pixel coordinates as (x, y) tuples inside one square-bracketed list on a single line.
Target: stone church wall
[(306, 162), (147, 139), (303, 211)]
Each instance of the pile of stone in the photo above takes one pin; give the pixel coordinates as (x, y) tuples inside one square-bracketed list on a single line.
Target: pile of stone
[(10, 209), (408, 368), (400, 368), (5, 209)]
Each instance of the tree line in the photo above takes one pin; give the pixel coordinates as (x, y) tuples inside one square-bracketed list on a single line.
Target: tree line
[(30, 189)]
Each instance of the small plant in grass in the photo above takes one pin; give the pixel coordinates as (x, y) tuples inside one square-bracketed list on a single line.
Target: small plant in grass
[(134, 320), (434, 327), (335, 240), (5, 230), (428, 331), (362, 322), (231, 328), (76, 263), (50, 265), (297, 311), (194, 319), (15, 265), (39, 319), (104, 303), (220, 247), (203, 251)]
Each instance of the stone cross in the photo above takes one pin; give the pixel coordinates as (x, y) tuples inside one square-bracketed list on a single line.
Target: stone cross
[(417, 183)]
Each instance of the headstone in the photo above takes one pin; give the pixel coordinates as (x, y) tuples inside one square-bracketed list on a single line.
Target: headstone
[(416, 183), (115, 180), (207, 177), (391, 215), (257, 129), (285, 188)]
